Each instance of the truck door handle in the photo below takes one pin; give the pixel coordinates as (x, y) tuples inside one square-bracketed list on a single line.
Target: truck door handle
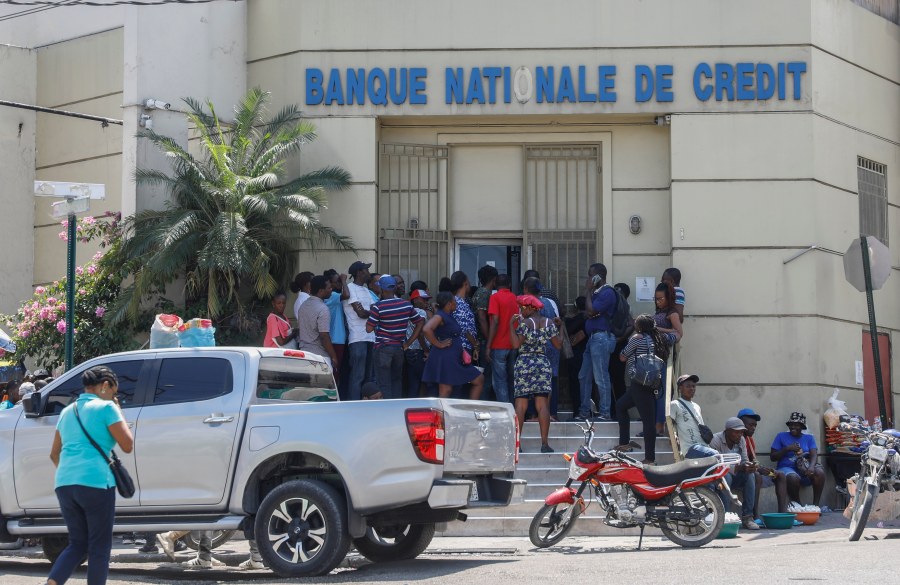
[(482, 415), (214, 420)]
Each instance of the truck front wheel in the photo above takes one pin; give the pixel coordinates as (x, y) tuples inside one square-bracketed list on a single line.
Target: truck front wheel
[(301, 529), (394, 543)]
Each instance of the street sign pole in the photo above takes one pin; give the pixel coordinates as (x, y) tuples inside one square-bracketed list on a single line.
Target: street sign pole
[(876, 354), (70, 293)]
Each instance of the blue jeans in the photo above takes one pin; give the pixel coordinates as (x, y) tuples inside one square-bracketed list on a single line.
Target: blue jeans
[(700, 451), (89, 514), (595, 368), (361, 367), (738, 481), (502, 361), (415, 366), (389, 370)]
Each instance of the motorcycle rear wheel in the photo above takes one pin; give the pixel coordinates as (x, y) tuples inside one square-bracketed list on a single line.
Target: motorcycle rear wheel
[(862, 505), (693, 534), (549, 527)]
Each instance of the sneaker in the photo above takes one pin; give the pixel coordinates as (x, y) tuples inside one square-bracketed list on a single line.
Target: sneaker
[(251, 565), (140, 541), (602, 418), (759, 522), (198, 563), (149, 548), (128, 538), (579, 418), (545, 448), (166, 544), (797, 523), (626, 448), (825, 509), (748, 523), (180, 546)]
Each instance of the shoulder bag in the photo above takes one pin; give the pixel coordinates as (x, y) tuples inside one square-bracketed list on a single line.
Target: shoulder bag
[(705, 432), (124, 483)]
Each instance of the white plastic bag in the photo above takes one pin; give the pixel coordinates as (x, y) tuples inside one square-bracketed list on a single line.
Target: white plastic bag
[(836, 409), (164, 331)]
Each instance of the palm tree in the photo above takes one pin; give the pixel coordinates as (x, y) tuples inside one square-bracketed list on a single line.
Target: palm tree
[(232, 225)]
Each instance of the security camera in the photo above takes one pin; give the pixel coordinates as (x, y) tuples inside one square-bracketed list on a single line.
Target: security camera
[(152, 104)]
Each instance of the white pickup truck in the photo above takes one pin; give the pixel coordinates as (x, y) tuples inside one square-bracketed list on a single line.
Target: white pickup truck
[(255, 439)]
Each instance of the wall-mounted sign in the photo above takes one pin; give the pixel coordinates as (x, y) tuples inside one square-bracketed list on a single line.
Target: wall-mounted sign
[(743, 81)]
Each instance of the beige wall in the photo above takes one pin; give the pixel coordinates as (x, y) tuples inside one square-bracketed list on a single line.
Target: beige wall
[(82, 75), (17, 136)]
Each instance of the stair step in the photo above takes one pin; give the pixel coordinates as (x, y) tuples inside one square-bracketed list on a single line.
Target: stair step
[(563, 444)]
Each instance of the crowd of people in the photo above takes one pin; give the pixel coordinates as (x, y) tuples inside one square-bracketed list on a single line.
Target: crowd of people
[(481, 342), (14, 391)]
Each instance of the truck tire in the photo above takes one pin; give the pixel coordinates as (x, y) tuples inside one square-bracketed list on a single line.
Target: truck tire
[(301, 529), (394, 543)]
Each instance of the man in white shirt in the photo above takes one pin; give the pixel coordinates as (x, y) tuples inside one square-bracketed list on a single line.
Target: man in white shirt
[(687, 422), (360, 343)]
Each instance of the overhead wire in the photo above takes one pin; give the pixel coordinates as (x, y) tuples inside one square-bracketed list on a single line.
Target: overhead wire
[(97, 3)]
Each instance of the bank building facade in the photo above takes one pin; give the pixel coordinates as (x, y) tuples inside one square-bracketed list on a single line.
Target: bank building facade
[(746, 144)]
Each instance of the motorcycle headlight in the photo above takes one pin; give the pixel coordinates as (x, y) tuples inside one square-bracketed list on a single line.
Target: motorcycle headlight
[(575, 470)]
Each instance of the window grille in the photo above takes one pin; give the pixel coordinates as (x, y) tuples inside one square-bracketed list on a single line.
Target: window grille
[(873, 201)]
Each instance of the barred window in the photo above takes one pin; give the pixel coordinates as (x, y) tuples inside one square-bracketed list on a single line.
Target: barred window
[(873, 201)]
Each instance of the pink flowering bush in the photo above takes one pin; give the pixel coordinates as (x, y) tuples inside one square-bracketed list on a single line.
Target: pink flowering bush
[(39, 326)]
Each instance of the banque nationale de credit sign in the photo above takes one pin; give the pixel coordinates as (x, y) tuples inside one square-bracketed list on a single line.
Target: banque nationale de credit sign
[(742, 81)]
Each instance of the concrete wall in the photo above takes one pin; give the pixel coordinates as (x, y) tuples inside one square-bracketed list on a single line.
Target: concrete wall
[(82, 75), (17, 136)]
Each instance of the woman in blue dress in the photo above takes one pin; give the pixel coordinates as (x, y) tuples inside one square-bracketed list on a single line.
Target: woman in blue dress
[(529, 332), (444, 366)]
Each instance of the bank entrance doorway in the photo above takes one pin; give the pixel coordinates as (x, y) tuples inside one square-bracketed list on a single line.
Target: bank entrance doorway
[(504, 255)]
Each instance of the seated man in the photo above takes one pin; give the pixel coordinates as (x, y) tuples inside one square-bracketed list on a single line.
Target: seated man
[(743, 476), (791, 447), (686, 415), (765, 476)]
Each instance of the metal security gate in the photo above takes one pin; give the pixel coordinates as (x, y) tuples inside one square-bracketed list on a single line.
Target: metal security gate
[(562, 210), (413, 239)]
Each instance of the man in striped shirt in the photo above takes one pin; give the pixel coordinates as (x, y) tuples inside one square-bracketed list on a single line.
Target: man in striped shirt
[(389, 318)]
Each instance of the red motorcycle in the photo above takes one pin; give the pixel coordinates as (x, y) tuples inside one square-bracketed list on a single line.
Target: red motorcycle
[(679, 499)]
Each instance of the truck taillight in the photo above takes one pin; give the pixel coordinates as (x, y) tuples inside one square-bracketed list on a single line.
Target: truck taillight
[(294, 353), (518, 438), (426, 431)]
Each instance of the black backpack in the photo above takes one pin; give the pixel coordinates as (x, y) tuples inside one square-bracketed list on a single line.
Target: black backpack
[(620, 316)]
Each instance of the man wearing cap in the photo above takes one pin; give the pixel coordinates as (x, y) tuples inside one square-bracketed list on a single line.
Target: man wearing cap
[(686, 415), (765, 476), (790, 446), (743, 475), (360, 342), (416, 344), (388, 319)]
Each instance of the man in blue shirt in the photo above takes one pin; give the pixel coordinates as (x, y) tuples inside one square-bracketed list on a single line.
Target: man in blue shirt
[(601, 343), (792, 445)]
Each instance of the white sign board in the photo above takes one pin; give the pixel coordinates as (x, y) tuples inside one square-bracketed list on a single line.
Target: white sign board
[(645, 289)]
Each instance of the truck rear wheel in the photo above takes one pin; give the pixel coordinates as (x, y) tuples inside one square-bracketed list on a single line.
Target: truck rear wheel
[(301, 529), (394, 543)]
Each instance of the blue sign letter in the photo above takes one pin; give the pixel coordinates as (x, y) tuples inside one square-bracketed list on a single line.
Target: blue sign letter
[(453, 85), (314, 93), (377, 95), (765, 81), (797, 68), (664, 83), (643, 83), (544, 84), (607, 75), (702, 70), (417, 77)]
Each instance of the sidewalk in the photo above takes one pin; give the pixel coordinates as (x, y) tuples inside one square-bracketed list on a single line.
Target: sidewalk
[(831, 527)]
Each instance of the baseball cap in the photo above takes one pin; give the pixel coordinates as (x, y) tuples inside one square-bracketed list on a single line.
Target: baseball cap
[(41, 373), (686, 377), (387, 282), (734, 423), (357, 266), (749, 412), (419, 294)]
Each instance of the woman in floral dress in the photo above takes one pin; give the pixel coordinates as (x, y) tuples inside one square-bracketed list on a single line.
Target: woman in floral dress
[(529, 333)]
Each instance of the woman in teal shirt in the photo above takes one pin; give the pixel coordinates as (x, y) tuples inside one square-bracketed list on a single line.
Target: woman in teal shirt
[(84, 484)]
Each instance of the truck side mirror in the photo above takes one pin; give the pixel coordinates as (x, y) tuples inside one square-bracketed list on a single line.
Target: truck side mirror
[(32, 405)]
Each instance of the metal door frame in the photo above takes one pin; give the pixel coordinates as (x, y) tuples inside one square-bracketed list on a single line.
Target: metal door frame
[(487, 240)]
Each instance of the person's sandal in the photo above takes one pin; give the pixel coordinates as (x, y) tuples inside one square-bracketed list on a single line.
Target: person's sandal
[(748, 523), (648, 462), (626, 448)]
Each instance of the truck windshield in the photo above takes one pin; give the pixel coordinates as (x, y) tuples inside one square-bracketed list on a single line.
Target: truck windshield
[(296, 380)]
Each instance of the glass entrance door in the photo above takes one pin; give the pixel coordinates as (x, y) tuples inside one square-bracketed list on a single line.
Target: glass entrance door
[(504, 255)]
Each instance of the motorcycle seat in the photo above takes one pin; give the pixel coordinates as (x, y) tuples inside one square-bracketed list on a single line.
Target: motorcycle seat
[(666, 475)]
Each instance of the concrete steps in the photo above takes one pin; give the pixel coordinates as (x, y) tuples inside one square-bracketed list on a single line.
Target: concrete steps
[(546, 472)]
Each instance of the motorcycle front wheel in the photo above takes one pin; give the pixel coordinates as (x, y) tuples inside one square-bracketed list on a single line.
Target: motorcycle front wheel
[(696, 532), (862, 505), (550, 525)]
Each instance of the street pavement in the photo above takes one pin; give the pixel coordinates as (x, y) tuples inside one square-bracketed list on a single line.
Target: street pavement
[(818, 553)]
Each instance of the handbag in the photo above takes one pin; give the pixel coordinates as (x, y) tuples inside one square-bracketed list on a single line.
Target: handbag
[(465, 357), (647, 369), (567, 352), (124, 483), (706, 433)]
